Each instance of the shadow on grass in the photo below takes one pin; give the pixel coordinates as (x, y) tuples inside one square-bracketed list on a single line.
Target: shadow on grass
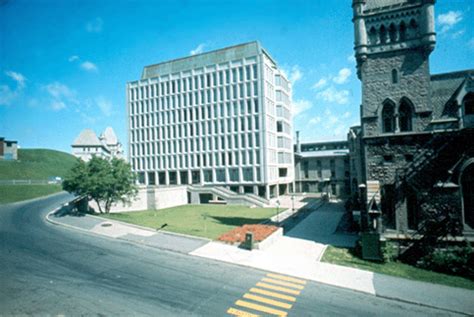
[(238, 221)]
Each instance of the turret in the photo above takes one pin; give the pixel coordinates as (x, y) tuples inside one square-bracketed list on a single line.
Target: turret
[(360, 32), (428, 25)]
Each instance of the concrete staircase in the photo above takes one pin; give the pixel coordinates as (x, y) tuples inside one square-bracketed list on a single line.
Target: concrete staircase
[(230, 197)]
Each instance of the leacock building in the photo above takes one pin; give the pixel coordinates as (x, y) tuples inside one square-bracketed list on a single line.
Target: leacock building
[(417, 128), (221, 118)]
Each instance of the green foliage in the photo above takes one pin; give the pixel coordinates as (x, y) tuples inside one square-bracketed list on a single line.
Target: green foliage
[(389, 252), (457, 260), (106, 182), (37, 164)]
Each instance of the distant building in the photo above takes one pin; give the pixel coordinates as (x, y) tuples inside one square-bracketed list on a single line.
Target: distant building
[(322, 167), (87, 144), (8, 149), (221, 118)]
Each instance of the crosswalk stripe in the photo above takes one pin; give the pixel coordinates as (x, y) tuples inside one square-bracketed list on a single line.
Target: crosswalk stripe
[(273, 294), (288, 284), (262, 308), (286, 278), (278, 288), (267, 301), (240, 313)]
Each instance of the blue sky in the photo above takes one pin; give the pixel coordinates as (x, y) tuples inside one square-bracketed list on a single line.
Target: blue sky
[(64, 64)]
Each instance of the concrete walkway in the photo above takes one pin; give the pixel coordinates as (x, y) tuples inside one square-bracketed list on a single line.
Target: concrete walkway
[(290, 255)]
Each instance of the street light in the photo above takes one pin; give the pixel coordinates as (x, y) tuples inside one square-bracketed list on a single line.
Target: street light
[(293, 203), (278, 210)]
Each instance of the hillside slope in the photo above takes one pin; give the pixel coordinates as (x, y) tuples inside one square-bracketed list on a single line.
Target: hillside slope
[(37, 164)]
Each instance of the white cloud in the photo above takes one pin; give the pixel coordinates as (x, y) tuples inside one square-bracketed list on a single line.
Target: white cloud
[(447, 20), (331, 94), (58, 90), (342, 76), (104, 105), (346, 115), (95, 26), (315, 120), (57, 105), (198, 50), (7, 94), (19, 78), (60, 95), (351, 59), (89, 66), (73, 58), (300, 106), (293, 73), (320, 84)]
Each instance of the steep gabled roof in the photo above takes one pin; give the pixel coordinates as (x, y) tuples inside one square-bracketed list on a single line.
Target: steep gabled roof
[(87, 138), (444, 88), (110, 137)]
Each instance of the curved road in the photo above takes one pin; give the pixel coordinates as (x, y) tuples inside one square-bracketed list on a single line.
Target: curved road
[(51, 270)]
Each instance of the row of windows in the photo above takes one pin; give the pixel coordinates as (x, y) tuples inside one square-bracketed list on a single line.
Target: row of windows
[(209, 127), (394, 33), (202, 97), (397, 119), (213, 79), (234, 158), (244, 107), (236, 141)]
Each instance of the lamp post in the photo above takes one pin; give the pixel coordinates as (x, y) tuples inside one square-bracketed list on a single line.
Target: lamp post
[(278, 210), (293, 204)]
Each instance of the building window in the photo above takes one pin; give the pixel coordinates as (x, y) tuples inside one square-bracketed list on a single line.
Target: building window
[(468, 103), (383, 34), (305, 169), (394, 76), (392, 32), (388, 117), (405, 115), (403, 31)]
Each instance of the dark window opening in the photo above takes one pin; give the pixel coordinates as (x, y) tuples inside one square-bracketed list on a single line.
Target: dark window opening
[(405, 115), (283, 172), (394, 76), (388, 158), (468, 102), (388, 117)]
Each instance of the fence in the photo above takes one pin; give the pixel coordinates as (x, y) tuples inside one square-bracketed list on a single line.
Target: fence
[(28, 182)]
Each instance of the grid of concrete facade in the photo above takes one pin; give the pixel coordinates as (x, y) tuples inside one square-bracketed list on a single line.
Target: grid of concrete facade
[(218, 118)]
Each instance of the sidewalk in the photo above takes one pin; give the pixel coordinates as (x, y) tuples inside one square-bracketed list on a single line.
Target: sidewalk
[(289, 255)]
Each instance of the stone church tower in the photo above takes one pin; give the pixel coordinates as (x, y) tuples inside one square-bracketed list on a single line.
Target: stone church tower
[(416, 126)]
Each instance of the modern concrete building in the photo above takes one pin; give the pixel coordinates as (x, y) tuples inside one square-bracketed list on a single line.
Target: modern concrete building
[(87, 145), (221, 118), (8, 149), (416, 128), (322, 167)]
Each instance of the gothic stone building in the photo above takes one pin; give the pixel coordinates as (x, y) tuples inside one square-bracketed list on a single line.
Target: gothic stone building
[(417, 128)]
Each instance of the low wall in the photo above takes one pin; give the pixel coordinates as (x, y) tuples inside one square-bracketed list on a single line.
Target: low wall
[(151, 198)]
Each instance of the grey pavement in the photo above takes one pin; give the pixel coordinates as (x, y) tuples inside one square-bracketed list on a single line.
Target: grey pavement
[(50, 270), (295, 254)]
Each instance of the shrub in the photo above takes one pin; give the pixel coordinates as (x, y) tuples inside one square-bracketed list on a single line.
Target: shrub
[(458, 260)]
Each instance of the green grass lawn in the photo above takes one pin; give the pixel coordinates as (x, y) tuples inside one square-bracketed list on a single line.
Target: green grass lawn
[(342, 256), (37, 164), (209, 221), (13, 193)]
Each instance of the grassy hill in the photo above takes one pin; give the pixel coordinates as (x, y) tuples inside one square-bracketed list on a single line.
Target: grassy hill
[(37, 164)]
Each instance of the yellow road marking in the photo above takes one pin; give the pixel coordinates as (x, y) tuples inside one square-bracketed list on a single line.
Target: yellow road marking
[(273, 294), (286, 278), (278, 288), (270, 280), (240, 313), (267, 301), (265, 309)]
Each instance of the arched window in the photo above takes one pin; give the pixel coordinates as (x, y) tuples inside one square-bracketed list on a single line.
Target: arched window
[(413, 28), (468, 103), (392, 33), (388, 117), (373, 36), (405, 115), (403, 31), (394, 76), (383, 34)]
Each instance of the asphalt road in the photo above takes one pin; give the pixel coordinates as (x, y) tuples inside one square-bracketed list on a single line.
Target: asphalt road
[(51, 270)]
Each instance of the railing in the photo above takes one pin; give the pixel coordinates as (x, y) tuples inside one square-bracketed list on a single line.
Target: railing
[(27, 182), (230, 195)]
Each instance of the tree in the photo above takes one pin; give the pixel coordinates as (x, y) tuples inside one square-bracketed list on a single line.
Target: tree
[(104, 181)]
